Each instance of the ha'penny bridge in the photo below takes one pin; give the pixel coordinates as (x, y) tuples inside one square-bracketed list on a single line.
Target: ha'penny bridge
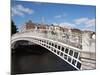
[(70, 52)]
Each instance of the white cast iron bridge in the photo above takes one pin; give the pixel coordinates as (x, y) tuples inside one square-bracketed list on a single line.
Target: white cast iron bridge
[(62, 47)]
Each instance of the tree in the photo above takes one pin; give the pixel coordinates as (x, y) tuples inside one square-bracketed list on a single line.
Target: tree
[(13, 28)]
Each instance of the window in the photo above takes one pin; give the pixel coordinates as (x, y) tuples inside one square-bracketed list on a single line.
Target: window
[(75, 54), (66, 51), (62, 49), (61, 54), (71, 52), (74, 62), (54, 50), (49, 43), (65, 56), (78, 65), (69, 59), (52, 44), (55, 46), (58, 52), (58, 47)]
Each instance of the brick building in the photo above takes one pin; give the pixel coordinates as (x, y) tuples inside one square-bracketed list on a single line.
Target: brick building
[(28, 26)]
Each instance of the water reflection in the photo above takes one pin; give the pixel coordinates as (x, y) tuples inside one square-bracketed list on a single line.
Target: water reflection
[(36, 59)]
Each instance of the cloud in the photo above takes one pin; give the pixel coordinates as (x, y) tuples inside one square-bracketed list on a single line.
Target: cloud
[(86, 22), (20, 10), (80, 20), (81, 23), (60, 16), (56, 24), (90, 23), (65, 24)]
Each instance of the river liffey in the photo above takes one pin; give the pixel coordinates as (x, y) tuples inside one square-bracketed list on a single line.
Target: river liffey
[(36, 59)]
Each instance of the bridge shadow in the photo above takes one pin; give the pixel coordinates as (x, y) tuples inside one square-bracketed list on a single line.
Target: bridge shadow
[(36, 59)]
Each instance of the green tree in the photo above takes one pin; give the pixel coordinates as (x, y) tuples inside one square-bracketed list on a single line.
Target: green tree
[(13, 28)]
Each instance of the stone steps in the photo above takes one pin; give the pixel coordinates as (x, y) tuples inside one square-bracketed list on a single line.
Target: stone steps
[(88, 64)]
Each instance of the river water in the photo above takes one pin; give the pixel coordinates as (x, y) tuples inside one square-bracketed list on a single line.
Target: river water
[(36, 59)]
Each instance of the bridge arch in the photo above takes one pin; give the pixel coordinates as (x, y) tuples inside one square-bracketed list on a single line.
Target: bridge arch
[(69, 54)]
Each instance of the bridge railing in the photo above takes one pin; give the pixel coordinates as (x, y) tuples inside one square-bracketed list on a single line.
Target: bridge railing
[(68, 53), (52, 41)]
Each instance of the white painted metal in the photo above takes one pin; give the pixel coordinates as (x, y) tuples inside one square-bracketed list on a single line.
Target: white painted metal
[(44, 42)]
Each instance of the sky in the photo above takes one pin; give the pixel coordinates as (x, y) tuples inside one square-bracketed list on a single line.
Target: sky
[(67, 15)]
